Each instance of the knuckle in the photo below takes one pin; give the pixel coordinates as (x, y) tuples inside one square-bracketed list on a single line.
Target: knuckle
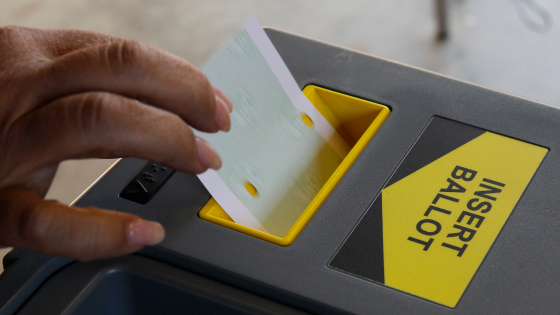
[(93, 109), (124, 54), (96, 116), (94, 112)]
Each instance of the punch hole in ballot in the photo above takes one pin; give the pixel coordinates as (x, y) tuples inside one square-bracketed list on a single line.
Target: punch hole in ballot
[(307, 120), (251, 189)]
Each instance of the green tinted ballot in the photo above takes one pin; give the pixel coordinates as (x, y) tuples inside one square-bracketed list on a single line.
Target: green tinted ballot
[(280, 151)]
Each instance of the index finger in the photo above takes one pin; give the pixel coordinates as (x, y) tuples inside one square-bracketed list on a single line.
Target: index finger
[(52, 43), (139, 71)]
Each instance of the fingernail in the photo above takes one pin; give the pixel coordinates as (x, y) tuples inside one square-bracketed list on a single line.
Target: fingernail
[(224, 97), (222, 115), (144, 233), (207, 156)]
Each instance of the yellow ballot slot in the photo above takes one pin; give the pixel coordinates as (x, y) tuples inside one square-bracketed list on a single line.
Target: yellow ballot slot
[(356, 120)]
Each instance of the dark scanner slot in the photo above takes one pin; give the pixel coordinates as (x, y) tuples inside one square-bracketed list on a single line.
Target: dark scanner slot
[(146, 183)]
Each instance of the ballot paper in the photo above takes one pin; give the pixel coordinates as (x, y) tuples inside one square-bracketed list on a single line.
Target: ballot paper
[(280, 150)]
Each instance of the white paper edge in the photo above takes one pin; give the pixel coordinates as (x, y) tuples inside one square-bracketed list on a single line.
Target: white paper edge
[(275, 62), (224, 196), (214, 183)]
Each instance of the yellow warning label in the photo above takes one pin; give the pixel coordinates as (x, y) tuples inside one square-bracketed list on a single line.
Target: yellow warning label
[(440, 221), (430, 228)]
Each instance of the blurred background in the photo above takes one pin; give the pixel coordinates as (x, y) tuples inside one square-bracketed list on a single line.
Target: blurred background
[(509, 45)]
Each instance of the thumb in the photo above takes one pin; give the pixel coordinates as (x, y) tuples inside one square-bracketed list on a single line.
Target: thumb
[(30, 223)]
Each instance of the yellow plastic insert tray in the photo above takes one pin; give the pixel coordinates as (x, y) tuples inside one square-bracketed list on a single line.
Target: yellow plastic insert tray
[(356, 120)]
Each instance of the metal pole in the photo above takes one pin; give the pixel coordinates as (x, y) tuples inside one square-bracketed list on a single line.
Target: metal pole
[(441, 15)]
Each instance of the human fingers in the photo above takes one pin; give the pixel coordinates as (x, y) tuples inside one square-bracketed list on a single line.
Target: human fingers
[(141, 72), (56, 43), (221, 96), (30, 223), (35, 46), (106, 125)]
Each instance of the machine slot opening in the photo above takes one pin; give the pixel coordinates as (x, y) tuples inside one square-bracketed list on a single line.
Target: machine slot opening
[(355, 119)]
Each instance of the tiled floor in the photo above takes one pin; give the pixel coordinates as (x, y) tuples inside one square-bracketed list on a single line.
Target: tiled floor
[(489, 44)]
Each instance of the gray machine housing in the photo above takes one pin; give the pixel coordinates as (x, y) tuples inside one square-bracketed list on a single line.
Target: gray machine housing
[(201, 265)]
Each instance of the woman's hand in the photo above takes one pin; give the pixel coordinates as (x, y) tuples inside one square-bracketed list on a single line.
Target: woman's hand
[(75, 94)]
